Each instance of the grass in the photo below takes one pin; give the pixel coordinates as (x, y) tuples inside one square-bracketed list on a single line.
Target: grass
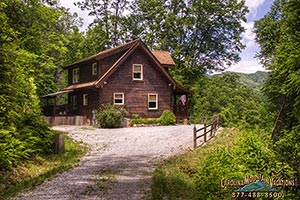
[(39, 169), (104, 177), (231, 155), (176, 177), (101, 185), (87, 128)]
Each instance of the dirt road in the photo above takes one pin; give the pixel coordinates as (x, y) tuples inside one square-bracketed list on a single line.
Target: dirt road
[(119, 164)]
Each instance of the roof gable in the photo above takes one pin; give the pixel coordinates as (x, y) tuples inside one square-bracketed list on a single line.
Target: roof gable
[(143, 47), (159, 58)]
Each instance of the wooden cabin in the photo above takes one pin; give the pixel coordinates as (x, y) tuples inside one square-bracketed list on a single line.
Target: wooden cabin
[(129, 75)]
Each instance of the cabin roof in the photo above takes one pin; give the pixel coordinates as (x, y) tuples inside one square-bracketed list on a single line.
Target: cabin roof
[(164, 57), (103, 54)]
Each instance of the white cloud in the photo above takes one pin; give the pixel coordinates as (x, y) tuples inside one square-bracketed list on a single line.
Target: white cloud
[(247, 66), (253, 5), (81, 13), (248, 63), (249, 35)]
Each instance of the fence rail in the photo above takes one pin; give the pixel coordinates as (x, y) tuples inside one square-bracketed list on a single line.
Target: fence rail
[(210, 129)]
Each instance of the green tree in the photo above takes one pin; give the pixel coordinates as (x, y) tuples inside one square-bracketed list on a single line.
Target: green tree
[(109, 16), (33, 42), (201, 35), (22, 131), (42, 30), (237, 104), (281, 55)]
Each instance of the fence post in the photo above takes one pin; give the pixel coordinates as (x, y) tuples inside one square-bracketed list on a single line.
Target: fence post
[(195, 137), (59, 143), (204, 131), (212, 126), (216, 125), (203, 119)]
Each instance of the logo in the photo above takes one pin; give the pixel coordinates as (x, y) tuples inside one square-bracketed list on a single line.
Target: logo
[(253, 187), (256, 190)]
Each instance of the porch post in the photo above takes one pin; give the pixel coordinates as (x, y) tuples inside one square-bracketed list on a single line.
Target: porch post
[(187, 106), (54, 106), (175, 108)]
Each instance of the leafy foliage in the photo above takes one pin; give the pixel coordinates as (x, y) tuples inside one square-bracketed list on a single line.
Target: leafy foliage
[(278, 35), (254, 80), (40, 168), (224, 94), (167, 118), (231, 156), (32, 45), (110, 116), (144, 121)]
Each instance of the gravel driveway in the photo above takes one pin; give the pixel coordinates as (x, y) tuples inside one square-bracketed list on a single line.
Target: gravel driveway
[(119, 164)]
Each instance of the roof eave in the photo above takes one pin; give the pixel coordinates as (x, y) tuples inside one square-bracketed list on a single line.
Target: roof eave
[(103, 54)]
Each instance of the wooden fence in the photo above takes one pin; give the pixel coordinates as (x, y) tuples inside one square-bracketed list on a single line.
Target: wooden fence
[(208, 130)]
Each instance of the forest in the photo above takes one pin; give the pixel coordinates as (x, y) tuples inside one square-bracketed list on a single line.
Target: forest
[(39, 37)]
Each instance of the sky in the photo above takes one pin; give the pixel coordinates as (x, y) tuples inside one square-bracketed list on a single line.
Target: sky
[(248, 64)]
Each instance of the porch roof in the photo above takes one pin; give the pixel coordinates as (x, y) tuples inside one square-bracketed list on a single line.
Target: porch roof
[(81, 85), (56, 93)]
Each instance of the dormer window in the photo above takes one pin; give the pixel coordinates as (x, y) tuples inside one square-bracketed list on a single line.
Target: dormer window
[(137, 72), (75, 73), (94, 69)]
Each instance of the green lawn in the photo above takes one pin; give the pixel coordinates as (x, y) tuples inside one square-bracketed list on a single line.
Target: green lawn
[(40, 168)]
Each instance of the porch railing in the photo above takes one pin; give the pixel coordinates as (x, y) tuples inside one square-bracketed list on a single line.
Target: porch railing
[(59, 110)]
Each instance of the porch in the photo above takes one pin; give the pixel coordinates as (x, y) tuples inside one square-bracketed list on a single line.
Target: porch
[(58, 111)]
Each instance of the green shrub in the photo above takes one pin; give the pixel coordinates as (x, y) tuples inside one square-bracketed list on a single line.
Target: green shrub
[(135, 116), (144, 121), (232, 155), (110, 116), (30, 137), (167, 118)]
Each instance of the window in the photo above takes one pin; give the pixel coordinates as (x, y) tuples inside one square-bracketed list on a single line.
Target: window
[(94, 69), (73, 100), (152, 102), (85, 99), (75, 75), (119, 98), (137, 72)]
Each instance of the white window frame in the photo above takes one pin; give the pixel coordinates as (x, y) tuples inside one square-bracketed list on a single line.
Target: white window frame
[(133, 72), (118, 93), (75, 75), (94, 69), (156, 101), (85, 99), (73, 100)]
